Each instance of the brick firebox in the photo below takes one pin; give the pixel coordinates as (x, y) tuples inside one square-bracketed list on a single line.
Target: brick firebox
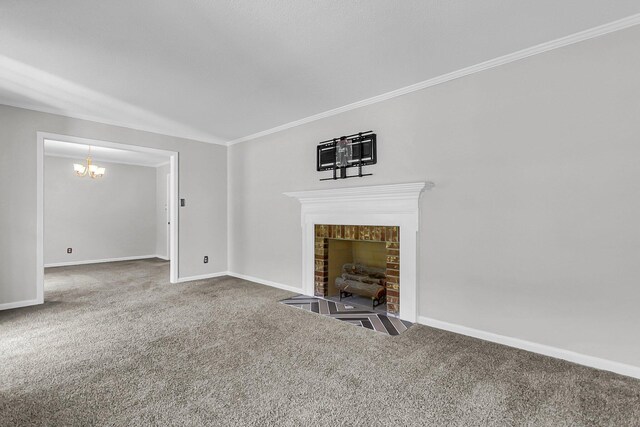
[(370, 233)]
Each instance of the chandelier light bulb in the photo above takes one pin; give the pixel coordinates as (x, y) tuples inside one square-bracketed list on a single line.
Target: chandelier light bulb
[(79, 169)]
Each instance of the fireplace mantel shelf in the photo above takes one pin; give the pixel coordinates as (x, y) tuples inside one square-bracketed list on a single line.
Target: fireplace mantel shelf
[(373, 192)]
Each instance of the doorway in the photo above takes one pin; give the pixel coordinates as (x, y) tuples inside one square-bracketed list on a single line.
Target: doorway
[(168, 225)]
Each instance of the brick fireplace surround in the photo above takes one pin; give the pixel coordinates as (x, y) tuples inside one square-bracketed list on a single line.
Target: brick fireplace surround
[(369, 233)]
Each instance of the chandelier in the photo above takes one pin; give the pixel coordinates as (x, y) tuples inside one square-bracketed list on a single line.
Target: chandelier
[(94, 171)]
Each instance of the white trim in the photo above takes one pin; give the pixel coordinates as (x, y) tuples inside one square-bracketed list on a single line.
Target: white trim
[(390, 205), (99, 261), (162, 257), (266, 282), (598, 31), (374, 193), (167, 219), (113, 162), (202, 276), (174, 215), (228, 201), (558, 353), (496, 62), (103, 143), (40, 218), (18, 304)]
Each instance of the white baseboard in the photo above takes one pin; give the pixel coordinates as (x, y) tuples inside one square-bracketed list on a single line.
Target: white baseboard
[(265, 282), (162, 257), (202, 277), (18, 304), (559, 353), (99, 261)]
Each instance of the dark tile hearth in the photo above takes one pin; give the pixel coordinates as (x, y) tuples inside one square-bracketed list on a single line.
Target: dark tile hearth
[(352, 314)]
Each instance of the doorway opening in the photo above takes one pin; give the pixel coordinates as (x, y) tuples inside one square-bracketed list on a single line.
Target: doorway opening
[(129, 213)]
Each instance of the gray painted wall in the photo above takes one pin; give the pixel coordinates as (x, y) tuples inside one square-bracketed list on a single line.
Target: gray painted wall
[(98, 218), (162, 213), (203, 182), (532, 230)]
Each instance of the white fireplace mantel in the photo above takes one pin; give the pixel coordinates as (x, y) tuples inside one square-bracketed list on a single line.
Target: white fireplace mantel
[(390, 205)]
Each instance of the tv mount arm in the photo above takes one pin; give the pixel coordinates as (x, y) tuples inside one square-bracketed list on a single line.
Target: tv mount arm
[(338, 154)]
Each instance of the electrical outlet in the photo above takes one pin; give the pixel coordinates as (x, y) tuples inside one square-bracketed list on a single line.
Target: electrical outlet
[(206, 259), (69, 250)]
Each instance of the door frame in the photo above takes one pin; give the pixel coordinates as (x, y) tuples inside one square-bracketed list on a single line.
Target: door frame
[(168, 215), (174, 230)]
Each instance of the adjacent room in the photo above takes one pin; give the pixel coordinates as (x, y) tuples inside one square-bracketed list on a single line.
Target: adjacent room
[(415, 213), (94, 216)]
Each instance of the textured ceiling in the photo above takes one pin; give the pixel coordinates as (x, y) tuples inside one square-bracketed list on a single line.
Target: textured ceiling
[(220, 70)]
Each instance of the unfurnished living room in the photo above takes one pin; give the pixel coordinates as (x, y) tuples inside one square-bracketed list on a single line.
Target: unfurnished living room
[(320, 213)]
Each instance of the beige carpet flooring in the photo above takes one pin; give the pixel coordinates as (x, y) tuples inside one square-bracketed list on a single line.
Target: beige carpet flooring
[(116, 344)]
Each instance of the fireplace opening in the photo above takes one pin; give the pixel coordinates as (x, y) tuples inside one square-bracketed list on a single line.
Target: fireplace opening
[(357, 272), (358, 265)]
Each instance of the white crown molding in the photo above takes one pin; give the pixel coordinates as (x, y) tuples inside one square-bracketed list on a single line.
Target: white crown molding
[(196, 136), (558, 353), (192, 136), (496, 62)]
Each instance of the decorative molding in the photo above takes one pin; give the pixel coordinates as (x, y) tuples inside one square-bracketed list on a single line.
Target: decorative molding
[(19, 304), (558, 353), (202, 277), (113, 162), (492, 63), (40, 216), (265, 282), (378, 193), (99, 261), (196, 136), (384, 205)]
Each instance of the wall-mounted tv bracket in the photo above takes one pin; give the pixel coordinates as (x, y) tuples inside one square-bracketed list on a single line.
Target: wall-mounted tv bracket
[(339, 154)]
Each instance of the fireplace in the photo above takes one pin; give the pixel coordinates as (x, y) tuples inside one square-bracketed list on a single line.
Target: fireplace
[(367, 247), (371, 209)]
